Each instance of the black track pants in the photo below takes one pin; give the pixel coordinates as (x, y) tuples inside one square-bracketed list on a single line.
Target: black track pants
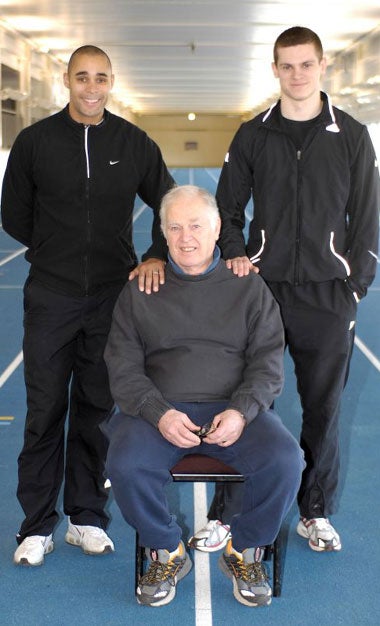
[(64, 341), (319, 327)]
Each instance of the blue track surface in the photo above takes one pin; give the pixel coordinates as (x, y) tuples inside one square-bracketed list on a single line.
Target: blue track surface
[(318, 589)]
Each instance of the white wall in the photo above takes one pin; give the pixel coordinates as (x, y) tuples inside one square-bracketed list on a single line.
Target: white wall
[(3, 163), (374, 131)]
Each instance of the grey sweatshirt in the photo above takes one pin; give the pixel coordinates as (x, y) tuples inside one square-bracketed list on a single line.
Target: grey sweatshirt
[(207, 338)]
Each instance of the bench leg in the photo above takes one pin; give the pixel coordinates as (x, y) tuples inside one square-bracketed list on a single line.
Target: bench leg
[(274, 552), (139, 561), (277, 566)]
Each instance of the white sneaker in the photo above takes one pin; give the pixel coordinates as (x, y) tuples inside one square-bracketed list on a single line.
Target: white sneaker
[(91, 539), (211, 538), (321, 534), (32, 550)]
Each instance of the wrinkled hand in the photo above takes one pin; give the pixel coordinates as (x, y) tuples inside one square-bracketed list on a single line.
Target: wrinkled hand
[(151, 274), (177, 428), (241, 266), (228, 427)]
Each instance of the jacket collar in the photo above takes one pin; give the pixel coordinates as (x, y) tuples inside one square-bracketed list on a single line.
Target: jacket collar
[(80, 125), (272, 116)]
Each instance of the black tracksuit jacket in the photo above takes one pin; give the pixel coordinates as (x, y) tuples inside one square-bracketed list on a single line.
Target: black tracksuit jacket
[(316, 210), (68, 195)]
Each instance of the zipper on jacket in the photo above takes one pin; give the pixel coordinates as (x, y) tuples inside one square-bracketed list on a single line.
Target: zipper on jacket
[(298, 225), (309, 139), (88, 219)]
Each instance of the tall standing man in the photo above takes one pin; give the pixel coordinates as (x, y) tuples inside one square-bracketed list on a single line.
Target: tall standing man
[(312, 173), (68, 195)]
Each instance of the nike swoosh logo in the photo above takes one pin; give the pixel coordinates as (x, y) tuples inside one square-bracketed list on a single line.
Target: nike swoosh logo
[(114, 162)]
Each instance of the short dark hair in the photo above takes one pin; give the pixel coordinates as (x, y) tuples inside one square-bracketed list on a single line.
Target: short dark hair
[(90, 50), (296, 36)]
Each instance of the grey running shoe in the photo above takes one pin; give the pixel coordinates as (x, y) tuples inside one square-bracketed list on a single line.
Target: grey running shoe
[(211, 537), (158, 586), (249, 575), (321, 534), (32, 550)]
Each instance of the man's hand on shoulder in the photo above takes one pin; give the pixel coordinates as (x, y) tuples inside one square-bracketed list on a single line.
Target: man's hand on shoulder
[(150, 273), (241, 266), (178, 428)]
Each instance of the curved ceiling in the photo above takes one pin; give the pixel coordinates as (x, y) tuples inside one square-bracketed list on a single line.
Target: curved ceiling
[(173, 56)]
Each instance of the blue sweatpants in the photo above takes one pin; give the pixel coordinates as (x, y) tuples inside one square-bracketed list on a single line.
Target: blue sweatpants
[(140, 458)]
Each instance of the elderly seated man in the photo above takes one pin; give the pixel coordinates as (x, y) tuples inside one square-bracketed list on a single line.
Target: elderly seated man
[(207, 347)]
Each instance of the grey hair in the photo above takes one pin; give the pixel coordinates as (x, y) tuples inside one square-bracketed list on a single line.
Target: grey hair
[(190, 191)]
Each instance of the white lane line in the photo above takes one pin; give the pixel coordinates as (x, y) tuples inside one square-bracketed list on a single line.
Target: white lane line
[(212, 175), (203, 610), (138, 212), (248, 214), (11, 368), (367, 352), (12, 256)]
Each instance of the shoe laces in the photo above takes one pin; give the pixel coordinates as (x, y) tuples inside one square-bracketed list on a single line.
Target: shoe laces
[(95, 531), (159, 572), (217, 532), (249, 572), (33, 540), (322, 523)]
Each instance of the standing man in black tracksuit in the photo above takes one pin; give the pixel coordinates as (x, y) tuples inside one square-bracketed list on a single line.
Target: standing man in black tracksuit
[(68, 195), (312, 173)]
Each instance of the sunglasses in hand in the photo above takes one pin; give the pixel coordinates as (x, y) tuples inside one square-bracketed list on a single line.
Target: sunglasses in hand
[(205, 430)]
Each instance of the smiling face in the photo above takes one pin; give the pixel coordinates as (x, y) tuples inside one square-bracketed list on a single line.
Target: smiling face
[(299, 70), (191, 231), (89, 81)]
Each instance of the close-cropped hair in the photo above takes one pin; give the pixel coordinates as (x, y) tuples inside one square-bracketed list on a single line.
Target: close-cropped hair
[(297, 36), (190, 192), (90, 50)]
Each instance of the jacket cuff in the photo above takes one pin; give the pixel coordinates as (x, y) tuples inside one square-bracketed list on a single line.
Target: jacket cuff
[(249, 412), (153, 409), (357, 291)]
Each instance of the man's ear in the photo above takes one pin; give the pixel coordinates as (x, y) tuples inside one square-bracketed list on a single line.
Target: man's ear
[(66, 80), (217, 229), (323, 65), (274, 69)]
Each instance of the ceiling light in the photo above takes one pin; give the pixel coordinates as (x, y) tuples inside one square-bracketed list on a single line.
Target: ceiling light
[(374, 80), (191, 117)]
